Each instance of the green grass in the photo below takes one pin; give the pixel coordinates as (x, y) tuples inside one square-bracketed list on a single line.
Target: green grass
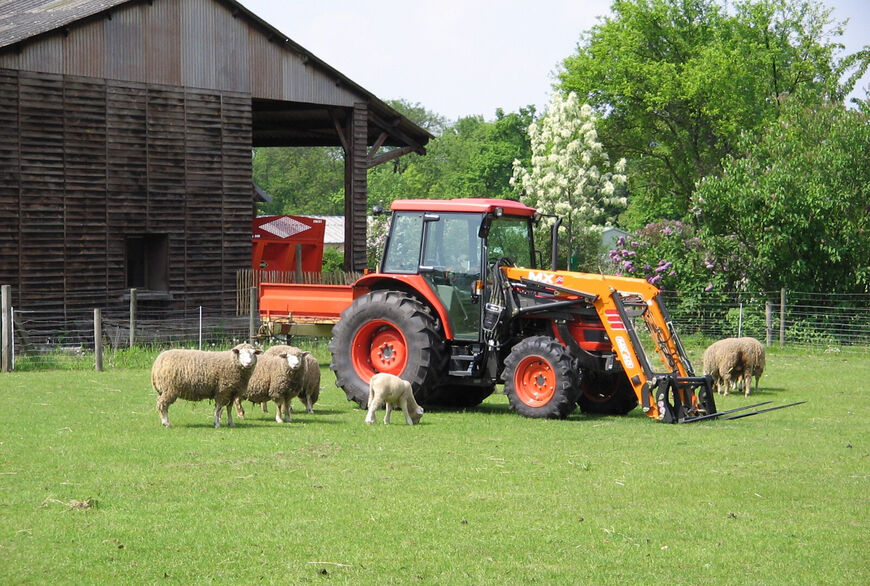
[(94, 491)]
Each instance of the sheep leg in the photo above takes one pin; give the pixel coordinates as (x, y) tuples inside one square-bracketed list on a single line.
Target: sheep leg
[(288, 408), (278, 418), (265, 406), (388, 408), (217, 414), (309, 406), (373, 407), (163, 410), (239, 408)]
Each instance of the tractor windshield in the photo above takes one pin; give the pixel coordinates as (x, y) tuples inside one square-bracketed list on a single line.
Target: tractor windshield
[(511, 238)]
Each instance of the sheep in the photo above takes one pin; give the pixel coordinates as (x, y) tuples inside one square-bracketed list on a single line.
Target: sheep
[(195, 375), (277, 377), (753, 361), (732, 360), (310, 383), (395, 393)]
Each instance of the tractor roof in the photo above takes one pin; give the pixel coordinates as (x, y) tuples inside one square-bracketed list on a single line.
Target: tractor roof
[(468, 204)]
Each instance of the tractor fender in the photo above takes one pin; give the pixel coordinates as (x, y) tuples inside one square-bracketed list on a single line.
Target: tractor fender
[(411, 283)]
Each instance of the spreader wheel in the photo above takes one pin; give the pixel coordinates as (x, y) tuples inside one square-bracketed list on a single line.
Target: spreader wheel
[(385, 331), (606, 394), (540, 380)]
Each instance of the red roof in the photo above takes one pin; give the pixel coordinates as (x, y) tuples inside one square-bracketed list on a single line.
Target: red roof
[(469, 204)]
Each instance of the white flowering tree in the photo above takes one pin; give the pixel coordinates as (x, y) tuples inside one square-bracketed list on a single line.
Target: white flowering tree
[(570, 174)]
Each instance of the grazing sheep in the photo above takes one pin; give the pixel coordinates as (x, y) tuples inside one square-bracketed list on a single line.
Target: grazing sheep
[(753, 361), (395, 393), (277, 377), (734, 360), (310, 383), (195, 375)]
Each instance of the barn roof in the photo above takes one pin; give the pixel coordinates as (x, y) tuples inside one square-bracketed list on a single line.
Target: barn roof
[(26, 21)]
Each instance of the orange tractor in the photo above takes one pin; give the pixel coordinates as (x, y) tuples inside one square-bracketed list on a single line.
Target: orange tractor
[(460, 304)]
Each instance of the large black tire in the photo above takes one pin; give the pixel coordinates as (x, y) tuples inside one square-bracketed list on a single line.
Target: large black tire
[(385, 331), (540, 378), (606, 394), (459, 396)]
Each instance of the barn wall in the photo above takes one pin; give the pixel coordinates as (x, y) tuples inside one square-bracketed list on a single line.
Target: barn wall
[(86, 163), (190, 43)]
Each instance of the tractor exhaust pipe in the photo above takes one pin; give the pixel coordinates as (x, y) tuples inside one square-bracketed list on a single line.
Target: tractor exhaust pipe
[(554, 243)]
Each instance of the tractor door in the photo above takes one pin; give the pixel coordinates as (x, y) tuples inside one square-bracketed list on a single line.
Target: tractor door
[(451, 265)]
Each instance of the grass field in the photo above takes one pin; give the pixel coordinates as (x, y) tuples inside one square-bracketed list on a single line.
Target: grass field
[(93, 490)]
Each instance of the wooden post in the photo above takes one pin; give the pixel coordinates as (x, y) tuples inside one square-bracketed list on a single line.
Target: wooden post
[(6, 326), (768, 323), (98, 339), (255, 316), (132, 317), (298, 263), (782, 317)]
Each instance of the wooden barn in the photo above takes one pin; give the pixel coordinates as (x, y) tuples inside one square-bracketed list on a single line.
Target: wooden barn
[(126, 129)]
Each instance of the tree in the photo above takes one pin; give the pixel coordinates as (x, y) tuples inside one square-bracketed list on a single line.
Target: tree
[(794, 202), (570, 174), (301, 180), (678, 81)]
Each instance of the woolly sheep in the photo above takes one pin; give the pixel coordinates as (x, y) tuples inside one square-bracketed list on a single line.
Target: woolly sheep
[(310, 378), (734, 360), (395, 393), (277, 377), (195, 375)]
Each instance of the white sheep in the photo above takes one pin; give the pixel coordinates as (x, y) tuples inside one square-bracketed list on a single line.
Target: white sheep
[(310, 382), (734, 360), (395, 393), (277, 377), (195, 375), (753, 362)]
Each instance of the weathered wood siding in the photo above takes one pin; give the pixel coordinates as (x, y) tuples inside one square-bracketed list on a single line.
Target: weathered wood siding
[(86, 163), (190, 43)]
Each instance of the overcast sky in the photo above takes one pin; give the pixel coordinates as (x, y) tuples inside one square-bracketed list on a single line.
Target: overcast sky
[(464, 57)]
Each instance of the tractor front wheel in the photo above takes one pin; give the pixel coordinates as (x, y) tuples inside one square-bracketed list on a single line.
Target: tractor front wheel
[(540, 378), (385, 331)]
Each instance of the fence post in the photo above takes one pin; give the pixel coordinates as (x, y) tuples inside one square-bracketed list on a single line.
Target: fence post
[(98, 339), (740, 321), (200, 327), (298, 263), (782, 317), (255, 315), (768, 323), (6, 321), (132, 317)]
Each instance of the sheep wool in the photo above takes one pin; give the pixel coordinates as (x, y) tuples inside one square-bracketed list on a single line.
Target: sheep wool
[(195, 375), (395, 393), (278, 378)]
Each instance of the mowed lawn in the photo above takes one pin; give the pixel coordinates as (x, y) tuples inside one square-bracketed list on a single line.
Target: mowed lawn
[(93, 490)]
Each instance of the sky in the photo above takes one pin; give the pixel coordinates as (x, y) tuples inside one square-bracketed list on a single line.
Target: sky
[(460, 58)]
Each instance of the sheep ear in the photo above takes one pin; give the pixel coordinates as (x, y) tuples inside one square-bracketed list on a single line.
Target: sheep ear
[(283, 355), (304, 354), (235, 350), (257, 351)]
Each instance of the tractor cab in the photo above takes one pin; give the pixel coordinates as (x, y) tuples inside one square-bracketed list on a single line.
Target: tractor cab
[(454, 245)]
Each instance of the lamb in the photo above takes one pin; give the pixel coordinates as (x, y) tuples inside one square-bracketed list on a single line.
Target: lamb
[(195, 375), (395, 393), (732, 360), (277, 377)]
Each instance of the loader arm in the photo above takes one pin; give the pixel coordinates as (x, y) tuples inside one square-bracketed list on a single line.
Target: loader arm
[(667, 394)]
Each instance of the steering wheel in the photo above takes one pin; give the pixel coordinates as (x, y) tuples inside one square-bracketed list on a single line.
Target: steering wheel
[(502, 261)]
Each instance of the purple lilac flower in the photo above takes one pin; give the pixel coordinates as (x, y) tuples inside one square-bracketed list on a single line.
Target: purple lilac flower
[(709, 287)]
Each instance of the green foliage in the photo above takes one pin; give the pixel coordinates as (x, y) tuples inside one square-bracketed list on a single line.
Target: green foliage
[(333, 260), (793, 204), (301, 180), (678, 82), (94, 488)]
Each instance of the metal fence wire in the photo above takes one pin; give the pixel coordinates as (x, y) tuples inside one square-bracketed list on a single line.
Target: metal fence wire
[(42, 339)]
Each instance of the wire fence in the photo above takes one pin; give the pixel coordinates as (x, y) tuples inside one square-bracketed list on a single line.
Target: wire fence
[(40, 339)]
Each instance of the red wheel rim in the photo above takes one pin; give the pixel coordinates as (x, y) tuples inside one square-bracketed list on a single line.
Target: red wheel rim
[(378, 346), (534, 381)]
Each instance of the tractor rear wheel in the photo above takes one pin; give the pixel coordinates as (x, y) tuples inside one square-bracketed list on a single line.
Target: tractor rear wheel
[(540, 378), (606, 394), (385, 331)]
